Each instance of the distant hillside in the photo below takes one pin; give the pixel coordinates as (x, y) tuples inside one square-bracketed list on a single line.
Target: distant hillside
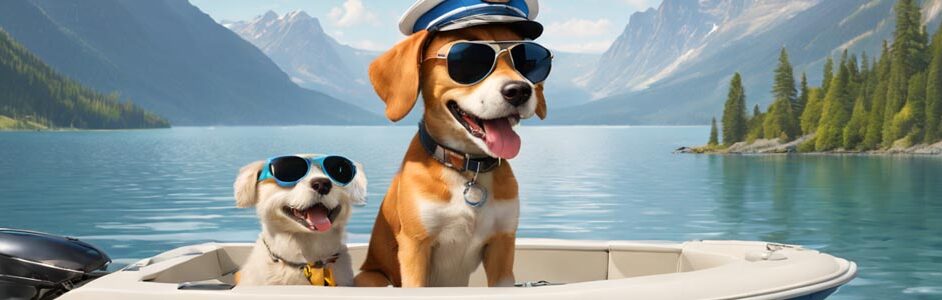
[(34, 96), (171, 58)]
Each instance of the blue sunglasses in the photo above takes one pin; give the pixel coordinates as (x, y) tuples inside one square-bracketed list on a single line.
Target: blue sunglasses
[(288, 170)]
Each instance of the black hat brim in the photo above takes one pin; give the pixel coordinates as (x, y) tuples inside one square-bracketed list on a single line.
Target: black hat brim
[(526, 28)]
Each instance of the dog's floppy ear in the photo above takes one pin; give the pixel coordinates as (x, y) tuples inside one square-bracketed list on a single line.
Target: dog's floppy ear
[(540, 102), (245, 183), (395, 75), (357, 188)]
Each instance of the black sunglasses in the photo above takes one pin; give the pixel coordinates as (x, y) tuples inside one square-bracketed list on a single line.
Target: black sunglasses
[(288, 170), (470, 62)]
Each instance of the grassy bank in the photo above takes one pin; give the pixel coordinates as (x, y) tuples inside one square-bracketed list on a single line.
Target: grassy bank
[(11, 124)]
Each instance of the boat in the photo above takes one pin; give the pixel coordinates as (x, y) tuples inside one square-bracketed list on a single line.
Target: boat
[(545, 269)]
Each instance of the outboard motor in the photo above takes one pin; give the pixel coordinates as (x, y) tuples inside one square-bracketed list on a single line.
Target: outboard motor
[(35, 265)]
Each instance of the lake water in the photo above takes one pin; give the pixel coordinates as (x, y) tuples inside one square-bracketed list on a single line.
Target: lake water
[(138, 193)]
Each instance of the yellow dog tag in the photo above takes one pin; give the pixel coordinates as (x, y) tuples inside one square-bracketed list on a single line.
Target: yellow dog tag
[(319, 276)]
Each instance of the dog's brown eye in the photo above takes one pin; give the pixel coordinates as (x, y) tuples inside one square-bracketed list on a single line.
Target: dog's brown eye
[(469, 63), (289, 168)]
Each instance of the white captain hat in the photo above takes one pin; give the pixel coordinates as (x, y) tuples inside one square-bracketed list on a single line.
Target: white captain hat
[(445, 15)]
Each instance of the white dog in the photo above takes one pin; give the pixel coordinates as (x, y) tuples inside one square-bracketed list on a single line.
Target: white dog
[(303, 203)]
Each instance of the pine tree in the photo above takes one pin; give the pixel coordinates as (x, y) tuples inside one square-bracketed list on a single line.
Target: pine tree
[(856, 128), (828, 75), (917, 101), (910, 41), (907, 123), (864, 64), (783, 87), (909, 57), (874, 136), (714, 139), (835, 112), (895, 98), (811, 115), (754, 127), (734, 112), (934, 92), (781, 119), (852, 68), (812, 111), (802, 96)]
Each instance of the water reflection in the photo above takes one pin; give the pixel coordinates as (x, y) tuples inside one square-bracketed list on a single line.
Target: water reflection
[(881, 212)]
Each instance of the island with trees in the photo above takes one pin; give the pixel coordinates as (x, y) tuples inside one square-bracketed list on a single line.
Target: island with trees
[(890, 104)]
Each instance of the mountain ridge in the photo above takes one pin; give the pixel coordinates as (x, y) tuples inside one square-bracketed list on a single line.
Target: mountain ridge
[(693, 92)]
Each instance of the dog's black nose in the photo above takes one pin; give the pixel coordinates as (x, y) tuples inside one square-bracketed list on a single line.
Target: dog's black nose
[(516, 92), (321, 185)]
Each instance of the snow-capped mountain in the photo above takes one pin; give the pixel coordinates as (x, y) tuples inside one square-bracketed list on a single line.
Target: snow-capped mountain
[(656, 43), (672, 65), (297, 43)]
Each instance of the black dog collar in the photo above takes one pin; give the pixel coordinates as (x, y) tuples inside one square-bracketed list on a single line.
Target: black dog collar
[(455, 159), (317, 264)]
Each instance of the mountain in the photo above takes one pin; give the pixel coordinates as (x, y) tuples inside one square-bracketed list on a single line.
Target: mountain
[(33, 95), (672, 65), (654, 40), (170, 58), (296, 42)]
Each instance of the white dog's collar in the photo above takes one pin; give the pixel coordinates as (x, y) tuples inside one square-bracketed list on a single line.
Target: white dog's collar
[(317, 264)]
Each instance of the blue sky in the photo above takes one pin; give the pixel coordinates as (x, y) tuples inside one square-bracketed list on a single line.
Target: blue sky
[(587, 26)]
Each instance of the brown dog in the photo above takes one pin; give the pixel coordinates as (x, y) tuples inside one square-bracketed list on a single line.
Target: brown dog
[(426, 234)]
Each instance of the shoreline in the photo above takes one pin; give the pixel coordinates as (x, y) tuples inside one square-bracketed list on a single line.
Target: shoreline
[(2, 130), (775, 147)]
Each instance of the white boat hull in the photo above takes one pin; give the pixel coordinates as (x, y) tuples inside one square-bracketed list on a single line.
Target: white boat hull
[(583, 269)]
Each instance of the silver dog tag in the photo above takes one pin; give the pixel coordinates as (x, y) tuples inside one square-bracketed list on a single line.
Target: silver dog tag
[(474, 194)]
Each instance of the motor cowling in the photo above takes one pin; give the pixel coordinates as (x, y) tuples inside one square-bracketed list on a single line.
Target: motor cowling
[(35, 265)]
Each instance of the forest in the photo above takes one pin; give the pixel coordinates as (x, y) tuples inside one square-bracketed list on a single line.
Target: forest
[(34, 96), (888, 102)]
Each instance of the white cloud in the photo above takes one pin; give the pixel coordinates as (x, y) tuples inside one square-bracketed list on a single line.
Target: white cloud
[(641, 4), (580, 35), (352, 13), (582, 47), (368, 45), (579, 28)]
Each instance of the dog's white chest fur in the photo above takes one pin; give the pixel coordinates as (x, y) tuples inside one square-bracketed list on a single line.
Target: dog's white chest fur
[(461, 231)]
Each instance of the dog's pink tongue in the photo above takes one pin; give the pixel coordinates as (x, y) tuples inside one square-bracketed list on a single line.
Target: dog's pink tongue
[(317, 217), (501, 138)]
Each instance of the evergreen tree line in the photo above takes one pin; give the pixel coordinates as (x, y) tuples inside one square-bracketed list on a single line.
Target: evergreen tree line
[(31, 90), (862, 104)]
